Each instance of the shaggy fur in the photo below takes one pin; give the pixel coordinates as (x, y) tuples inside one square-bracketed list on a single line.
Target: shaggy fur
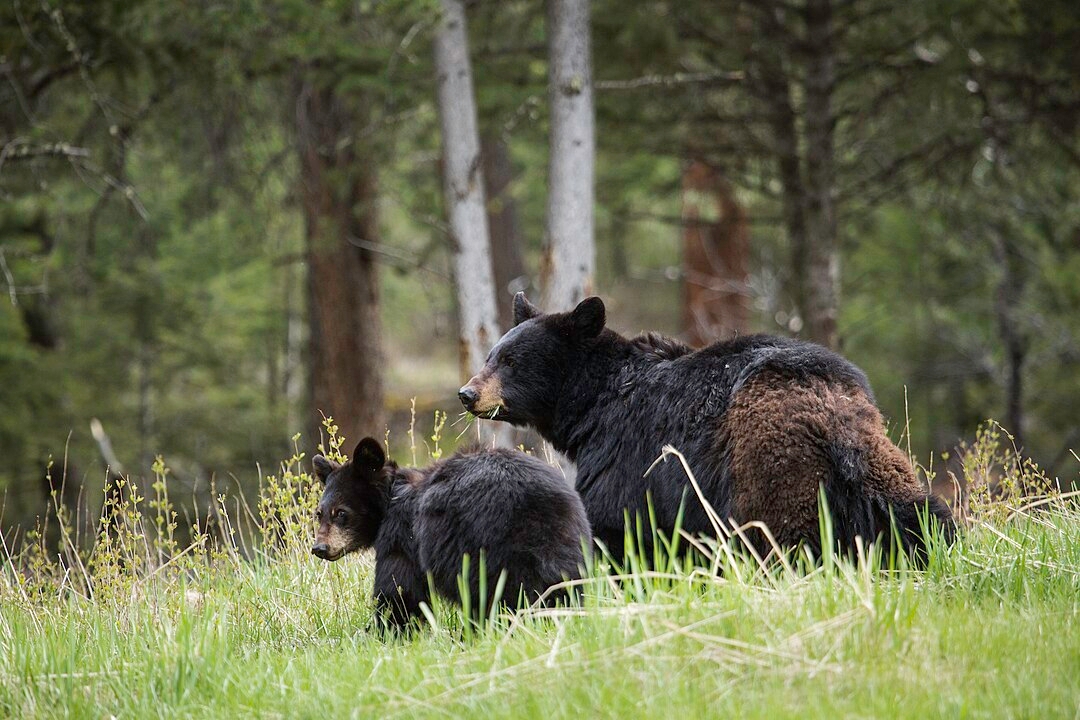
[(764, 422), (517, 511)]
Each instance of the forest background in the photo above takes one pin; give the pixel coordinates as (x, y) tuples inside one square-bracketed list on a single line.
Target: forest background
[(219, 219)]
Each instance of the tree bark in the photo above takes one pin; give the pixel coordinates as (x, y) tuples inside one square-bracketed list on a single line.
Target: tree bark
[(1007, 298), (715, 248), (569, 256), (338, 193), (620, 224), (507, 263), (768, 68), (822, 257), (463, 189)]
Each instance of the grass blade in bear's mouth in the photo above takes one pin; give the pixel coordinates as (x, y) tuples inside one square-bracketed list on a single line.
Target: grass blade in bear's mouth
[(486, 414)]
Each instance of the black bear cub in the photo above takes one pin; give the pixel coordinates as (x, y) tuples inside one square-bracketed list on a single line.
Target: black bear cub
[(515, 510), (765, 423)]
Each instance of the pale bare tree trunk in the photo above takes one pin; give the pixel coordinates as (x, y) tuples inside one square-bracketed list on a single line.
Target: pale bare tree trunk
[(716, 298), (463, 188), (338, 194), (507, 262), (569, 254), (822, 251)]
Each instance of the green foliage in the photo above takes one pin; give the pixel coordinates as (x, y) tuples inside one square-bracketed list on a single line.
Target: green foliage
[(435, 449), (1000, 480)]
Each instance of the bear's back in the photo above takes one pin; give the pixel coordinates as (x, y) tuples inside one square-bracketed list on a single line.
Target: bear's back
[(515, 509), (669, 394), (747, 356)]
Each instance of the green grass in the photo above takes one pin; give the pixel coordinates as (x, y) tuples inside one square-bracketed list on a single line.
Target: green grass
[(990, 629)]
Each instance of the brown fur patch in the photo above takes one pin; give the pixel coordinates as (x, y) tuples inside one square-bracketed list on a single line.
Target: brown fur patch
[(779, 431), (489, 389), (336, 539)]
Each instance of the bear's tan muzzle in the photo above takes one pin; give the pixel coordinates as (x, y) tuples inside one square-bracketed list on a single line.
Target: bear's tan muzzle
[(482, 395)]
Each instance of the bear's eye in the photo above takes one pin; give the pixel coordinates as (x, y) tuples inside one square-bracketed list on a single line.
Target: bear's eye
[(340, 515), (509, 362)]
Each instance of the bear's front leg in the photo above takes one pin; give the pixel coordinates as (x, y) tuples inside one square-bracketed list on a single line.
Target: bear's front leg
[(399, 590)]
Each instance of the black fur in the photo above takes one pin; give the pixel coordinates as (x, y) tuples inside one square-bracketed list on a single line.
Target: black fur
[(400, 581), (517, 511), (611, 404)]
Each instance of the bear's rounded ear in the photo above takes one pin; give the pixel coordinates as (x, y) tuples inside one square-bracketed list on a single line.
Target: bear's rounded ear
[(323, 467), (589, 317), (369, 455), (523, 309)]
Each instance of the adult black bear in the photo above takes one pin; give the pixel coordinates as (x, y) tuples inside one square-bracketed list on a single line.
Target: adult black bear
[(515, 509), (764, 422)]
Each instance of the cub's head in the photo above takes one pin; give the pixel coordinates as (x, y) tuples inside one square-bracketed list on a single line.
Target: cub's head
[(526, 372), (353, 503)]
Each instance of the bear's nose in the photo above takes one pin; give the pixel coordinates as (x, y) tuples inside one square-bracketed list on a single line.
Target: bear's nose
[(322, 550), (468, 397)]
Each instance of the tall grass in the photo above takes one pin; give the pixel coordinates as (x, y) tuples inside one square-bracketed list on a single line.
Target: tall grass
[(243, 621)]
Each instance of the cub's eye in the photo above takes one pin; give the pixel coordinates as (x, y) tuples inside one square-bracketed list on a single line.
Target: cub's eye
[(340, 515), (318, 515), (509, 362)]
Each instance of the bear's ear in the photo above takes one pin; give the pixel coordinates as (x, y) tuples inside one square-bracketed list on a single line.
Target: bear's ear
[(369, 455), (323, 467), (523, 309), (589, 317)]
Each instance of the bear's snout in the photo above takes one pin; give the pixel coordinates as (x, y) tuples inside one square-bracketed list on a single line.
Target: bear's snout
[(482, 396), (321, 551), (468, 397)]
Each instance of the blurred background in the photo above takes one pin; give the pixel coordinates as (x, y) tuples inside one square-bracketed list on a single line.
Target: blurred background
[(218, 219)]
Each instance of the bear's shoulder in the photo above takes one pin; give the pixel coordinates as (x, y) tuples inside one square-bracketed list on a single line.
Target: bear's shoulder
[(732, 362), (660, 346)]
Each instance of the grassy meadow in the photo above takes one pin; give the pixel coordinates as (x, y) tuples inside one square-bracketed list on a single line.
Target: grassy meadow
[(243, 621)]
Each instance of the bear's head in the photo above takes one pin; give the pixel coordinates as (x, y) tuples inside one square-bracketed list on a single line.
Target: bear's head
[(353, 503), (526, 373)]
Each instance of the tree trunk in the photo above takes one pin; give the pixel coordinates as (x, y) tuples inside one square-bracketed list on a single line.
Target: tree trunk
[(146, 312), (793, 197), (768, 64), (463, 189), (569, 254), (507, 262), (822, 289), (1007, 300), (715, 248), (338, 192), (292, 364), (620, 224)]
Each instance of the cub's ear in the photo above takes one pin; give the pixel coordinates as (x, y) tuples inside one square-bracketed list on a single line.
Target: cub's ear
[(323, 467), (523, 309), (369, 455), (589, 317)]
